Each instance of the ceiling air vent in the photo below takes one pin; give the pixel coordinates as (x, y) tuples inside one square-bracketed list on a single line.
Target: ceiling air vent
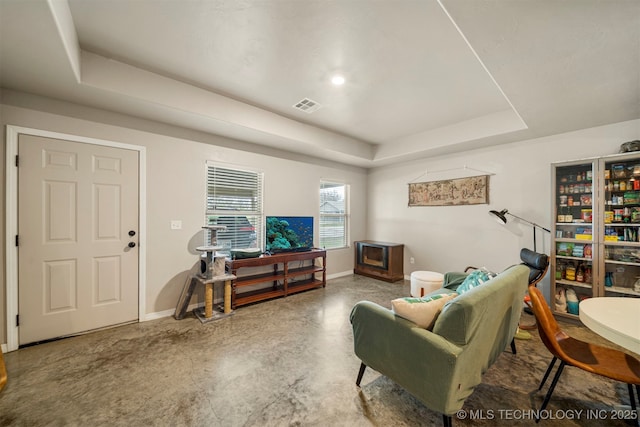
[(307, 105)]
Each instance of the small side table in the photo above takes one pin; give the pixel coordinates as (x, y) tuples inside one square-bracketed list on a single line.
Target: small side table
[(208, 313)]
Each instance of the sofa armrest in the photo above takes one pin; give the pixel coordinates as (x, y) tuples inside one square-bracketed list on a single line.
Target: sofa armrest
[(424, 363)]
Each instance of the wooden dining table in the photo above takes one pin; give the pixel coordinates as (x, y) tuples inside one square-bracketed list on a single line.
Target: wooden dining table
[(615, 318)]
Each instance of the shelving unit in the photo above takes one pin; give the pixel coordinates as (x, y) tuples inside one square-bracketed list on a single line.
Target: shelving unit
[(597, 227), (283, 280)]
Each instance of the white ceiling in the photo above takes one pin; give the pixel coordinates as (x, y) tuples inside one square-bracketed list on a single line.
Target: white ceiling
[(424, 77)]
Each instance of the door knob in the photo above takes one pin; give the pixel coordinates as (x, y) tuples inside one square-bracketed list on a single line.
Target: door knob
[(132, 245), (132, 233)]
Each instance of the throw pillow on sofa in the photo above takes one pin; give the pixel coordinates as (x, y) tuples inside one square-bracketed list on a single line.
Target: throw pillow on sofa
[(475, 279), (421, 311)]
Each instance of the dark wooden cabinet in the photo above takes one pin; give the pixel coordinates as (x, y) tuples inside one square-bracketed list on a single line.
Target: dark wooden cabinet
[(380, 260), (290, 274)]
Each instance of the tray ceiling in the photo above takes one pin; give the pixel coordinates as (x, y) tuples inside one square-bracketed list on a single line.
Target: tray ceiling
[(423, 78)]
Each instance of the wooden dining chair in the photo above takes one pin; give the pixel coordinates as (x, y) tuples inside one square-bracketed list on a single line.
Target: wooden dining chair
[(538, 266), (3, 372), (599, 360)]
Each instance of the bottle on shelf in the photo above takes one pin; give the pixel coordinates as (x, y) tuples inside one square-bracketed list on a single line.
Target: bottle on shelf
[(559, 271), (580, 273), (568, 216), (570, 272), (561, 214)]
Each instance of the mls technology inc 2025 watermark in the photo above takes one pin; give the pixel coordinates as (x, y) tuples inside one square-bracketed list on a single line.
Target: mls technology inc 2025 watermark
[(547, 414)]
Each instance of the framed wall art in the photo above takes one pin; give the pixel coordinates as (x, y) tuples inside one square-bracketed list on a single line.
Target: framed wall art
[(473, 190)]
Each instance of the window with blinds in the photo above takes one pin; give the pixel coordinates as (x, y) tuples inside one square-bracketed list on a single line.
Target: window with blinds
[(334, 215), (234, 199)]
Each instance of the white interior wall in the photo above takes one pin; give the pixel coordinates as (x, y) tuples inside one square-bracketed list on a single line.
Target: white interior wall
[(439, 238), (449, 238), (176, 177)]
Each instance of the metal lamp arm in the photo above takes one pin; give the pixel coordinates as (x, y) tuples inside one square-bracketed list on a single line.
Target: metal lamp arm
[(528, 222)]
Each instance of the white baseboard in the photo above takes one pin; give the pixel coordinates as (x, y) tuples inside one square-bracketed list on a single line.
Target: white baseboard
[(170, 312), (342, 274), (3, 347)]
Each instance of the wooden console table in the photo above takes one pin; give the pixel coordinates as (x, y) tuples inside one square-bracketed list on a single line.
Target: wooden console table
[(282, 277)]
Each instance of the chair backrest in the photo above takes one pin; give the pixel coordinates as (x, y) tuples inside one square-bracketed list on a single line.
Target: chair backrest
[(538, 264), (548, 328)]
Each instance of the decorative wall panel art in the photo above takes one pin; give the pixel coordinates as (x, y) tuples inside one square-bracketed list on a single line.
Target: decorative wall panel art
[(450, 192)]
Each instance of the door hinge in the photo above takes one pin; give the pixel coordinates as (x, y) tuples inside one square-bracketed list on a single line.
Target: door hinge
[(17, 320), (17, 162), (17, 240)]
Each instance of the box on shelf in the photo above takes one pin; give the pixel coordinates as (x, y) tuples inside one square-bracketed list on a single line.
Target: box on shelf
[(618, 171), (608, 217), (631, 198), (578, 251), (564, 249), (583, 236)]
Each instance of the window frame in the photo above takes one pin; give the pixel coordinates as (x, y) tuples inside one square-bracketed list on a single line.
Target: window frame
[(256, 212), (346, 216)]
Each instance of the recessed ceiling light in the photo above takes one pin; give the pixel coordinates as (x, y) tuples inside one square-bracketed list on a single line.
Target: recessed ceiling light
[(337, 80)]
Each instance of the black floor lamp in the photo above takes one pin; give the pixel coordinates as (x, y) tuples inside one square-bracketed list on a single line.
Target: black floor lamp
[(501, 217)]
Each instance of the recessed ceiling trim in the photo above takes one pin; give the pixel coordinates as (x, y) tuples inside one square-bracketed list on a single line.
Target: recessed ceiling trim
[(481, 62), (495, 124), (217, 110), (67, 30)]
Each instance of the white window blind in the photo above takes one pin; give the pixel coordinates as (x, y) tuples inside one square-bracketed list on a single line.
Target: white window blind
[(334, 215), (234, 199)]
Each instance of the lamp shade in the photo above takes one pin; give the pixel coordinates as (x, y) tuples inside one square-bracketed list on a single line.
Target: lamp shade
[(500, 217)]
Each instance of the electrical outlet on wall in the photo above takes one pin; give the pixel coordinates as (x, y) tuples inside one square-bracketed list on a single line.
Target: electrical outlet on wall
[(412, 260), (176, 224)]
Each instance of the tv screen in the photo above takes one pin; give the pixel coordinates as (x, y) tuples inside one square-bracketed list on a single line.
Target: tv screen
[(288, 233)]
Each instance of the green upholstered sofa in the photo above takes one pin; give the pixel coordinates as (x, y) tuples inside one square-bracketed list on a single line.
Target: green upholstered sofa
[(442, 367)]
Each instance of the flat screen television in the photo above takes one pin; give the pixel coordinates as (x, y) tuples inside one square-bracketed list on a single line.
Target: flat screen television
[(288, 234)]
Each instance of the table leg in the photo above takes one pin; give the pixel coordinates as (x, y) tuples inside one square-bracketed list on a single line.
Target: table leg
[(208, 300)]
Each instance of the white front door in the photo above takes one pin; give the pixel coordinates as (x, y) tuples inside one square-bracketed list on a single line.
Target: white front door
[(78, 216)]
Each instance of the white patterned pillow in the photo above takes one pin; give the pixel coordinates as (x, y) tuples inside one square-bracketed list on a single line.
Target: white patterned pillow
[(421, 311)]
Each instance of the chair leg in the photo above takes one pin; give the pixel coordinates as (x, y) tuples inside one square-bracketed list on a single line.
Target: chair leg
[(446, 420), (513, 345), (546, 374), (360, 373), (636, 411), (632, 398), (556, 377)]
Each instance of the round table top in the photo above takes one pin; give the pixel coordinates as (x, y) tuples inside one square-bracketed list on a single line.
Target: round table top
[(208, 248), (614, 318)]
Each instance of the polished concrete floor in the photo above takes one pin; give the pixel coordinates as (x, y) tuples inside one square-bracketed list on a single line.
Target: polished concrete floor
[(285, 362)]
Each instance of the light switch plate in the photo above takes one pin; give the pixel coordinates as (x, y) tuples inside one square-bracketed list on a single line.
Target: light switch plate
[(176, 224)]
